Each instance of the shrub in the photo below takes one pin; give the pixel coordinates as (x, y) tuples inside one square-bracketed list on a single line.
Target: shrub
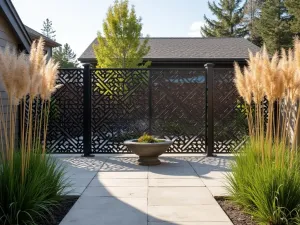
[(267, 189), (146, 138), (32, 197)]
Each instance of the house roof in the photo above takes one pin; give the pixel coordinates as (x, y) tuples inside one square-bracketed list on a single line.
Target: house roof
[(15, 21), (164, 48), (36, 35)]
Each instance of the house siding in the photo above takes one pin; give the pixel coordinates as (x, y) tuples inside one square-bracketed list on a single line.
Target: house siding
[(7, 37)]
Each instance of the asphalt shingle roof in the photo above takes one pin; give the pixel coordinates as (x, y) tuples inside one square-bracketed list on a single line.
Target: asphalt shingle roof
[(34, 34), (191, 48)]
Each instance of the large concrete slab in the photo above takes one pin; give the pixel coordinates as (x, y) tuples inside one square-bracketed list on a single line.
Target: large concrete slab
[(218, 191), (172, 172), (197, 182), (79, 182), (77, 191), (122, 164), (214, 182), (92, 202), (74, 173), (119, 192), (83, 164), (178, 196), (100, 182), (123, 175), (195, 213), (107, 211)]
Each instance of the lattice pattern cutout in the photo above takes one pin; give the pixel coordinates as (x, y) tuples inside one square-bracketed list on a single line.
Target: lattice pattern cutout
[(179, 108), (65, 130), (230, 125), (119, 108)]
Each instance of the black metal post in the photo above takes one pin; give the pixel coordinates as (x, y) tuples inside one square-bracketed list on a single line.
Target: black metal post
[(150, 101), (210, 108), (87, 111)]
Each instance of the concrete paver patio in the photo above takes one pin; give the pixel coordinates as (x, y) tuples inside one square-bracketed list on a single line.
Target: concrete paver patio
[(116, 191)]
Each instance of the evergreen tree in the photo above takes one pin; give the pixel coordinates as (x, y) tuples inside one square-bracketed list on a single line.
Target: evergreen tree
[(274, 25), (65, 56), (120, 46), (48, 30), (252, 12), (229, 21), (293, 7)]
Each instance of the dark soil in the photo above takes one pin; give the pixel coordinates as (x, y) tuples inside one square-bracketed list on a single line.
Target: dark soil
[(235, 212), (60, 212)]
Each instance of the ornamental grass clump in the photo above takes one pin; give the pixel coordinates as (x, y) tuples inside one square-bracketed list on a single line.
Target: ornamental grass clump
[(30, 182), (265, 177)]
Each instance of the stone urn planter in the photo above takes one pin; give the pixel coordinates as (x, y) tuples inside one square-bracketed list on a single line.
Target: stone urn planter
[(148, 152)]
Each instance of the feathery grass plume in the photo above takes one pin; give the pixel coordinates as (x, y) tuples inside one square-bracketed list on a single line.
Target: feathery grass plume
[(37, 63), (255, 70), (297, 52), (287, 67), (49, 86), (239, 80), (7, 65), (249, 86), (22, 78)]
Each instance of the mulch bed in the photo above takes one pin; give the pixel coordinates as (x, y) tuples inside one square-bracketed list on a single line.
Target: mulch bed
[(61, 212), (235, 212)]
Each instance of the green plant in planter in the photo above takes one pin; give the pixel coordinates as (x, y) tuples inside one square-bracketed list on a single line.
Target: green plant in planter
[(146, 138)]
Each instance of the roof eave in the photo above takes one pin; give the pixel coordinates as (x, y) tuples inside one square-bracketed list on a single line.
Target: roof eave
[(93, 60), (14, 19), (49, 43)]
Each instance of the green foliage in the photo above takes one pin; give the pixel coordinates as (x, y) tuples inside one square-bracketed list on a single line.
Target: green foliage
[(267, 188), (120, 45), (32, 198), (48, 30), (229, 22), (274, 26), (293, 7), (146, 138), (65, 56), (252, 14)]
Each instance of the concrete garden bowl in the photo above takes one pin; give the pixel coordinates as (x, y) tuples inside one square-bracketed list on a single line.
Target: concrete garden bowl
[(148, 152)]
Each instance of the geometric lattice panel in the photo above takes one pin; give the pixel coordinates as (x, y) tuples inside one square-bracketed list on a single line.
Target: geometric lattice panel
[(65, 129), (178, 103), (119, 107), (230, 123)]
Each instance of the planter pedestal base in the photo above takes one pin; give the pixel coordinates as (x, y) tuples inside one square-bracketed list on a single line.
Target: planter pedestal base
[(148, 161)]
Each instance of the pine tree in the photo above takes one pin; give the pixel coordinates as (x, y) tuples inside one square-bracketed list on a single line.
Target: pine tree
[(229, 22), (274, 25), (293, 7), (120, 45), (252, 12), (48, 30), (65, 56)]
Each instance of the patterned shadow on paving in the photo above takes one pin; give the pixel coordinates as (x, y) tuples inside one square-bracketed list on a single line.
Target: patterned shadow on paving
[(115, 191)]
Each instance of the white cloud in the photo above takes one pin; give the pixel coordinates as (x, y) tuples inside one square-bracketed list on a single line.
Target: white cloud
[(195, 29)]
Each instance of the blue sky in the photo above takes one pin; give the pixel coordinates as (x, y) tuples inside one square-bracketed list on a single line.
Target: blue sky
[(77, 21)]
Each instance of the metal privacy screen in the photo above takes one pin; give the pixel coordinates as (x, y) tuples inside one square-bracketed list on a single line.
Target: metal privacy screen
[(163, 102), (95, 110)]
